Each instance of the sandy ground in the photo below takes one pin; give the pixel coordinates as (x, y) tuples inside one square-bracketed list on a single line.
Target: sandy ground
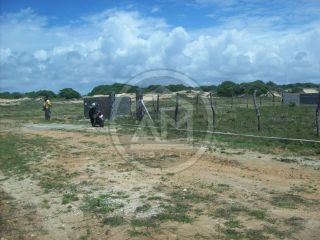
[(234, 177)]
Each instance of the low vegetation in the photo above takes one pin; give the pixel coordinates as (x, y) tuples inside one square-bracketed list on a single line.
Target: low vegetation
[(18, 151)]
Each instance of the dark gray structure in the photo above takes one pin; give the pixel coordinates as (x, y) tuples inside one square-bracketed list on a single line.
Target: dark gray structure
[(309, 98), (110, 106), (300, 98)]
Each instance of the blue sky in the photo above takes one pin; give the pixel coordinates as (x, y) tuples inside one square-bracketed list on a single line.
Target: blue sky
[(83, 43)]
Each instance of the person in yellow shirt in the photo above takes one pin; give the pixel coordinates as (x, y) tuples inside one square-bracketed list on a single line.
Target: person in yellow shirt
[(47, 108)]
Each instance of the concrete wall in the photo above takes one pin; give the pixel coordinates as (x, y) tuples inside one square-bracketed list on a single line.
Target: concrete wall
[(309, 98), (121, 106), (291, 98), (300, 98)]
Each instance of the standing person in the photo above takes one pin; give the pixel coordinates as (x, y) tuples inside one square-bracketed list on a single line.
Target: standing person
[(47, 108)]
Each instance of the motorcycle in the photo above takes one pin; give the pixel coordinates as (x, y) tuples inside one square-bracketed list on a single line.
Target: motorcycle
[(99, 120), (96, 116)]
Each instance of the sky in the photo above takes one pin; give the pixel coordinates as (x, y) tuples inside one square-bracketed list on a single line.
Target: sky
[(85, 43)]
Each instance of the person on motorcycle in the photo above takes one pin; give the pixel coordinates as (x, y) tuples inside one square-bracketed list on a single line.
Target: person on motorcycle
[(93, 113)]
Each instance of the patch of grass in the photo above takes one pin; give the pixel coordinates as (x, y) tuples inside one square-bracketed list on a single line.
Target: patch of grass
[(177, 212), (266, 146), (135, 233), (62, 111), (253, 234), (154, 198), (143, 208), (193, 196), (287, 160), (57, 180), (100, 205), (200, 236), (17, 152), (288, 201), (45, 204), (148, 223), (233, 224), (87, 236), (114, 221), (120, 194), (303, 188), (69, 197), (276, 232), (232, 233), (257, 213), (229, 211), (221, 188), (295, 222), (170, 174)]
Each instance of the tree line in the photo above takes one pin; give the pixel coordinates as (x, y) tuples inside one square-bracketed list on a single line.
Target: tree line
[(224, 89), (66, 93)]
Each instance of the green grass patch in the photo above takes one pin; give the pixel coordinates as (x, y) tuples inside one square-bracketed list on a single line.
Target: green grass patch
[(177, 212), (295, 222), (69, 197), (229, 211), (272, 230), (257, 213), (143, 208), (253, 234), (233, 224), (155, 198), (57, 180), (193, 196), (288, 201), (136, 233), (100, 205), (17, 152), (114, 221), (232, 233), (62, 112), (148, 223)]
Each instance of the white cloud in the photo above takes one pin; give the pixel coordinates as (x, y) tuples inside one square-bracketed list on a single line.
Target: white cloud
[(155, 9), (115, 45), (40, 55)]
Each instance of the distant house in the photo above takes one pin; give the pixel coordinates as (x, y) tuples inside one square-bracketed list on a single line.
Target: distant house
[(300, 98)]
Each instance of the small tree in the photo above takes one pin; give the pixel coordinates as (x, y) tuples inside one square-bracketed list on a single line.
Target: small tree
[(297, 89), (259, 86), (69, 93), (228, 89), (41, 93)]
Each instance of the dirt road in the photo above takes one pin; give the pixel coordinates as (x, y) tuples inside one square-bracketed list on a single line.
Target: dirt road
[(81, 187)]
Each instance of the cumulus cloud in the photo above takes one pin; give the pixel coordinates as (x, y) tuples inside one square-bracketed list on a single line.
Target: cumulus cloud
[(114, 45)]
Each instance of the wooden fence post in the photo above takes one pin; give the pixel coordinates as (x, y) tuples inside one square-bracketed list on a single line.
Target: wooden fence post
[(176, 111), (130, 103), (153, 105), (158, 104), (112, 98), (139, 107), (257, 109), (213, 112), (232, 102), (272, 99), (197, 102), (247, 95), (216, 103), (318, 116)]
